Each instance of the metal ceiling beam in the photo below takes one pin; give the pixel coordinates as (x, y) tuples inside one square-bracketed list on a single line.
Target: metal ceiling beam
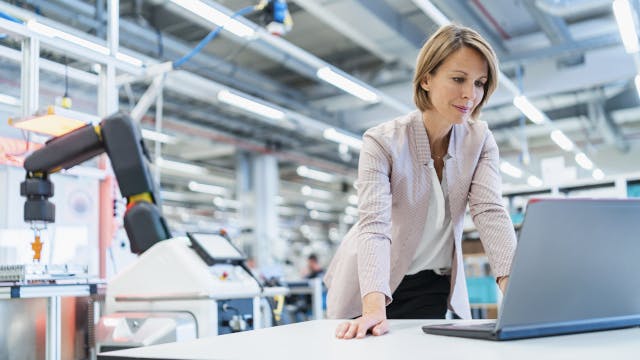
[(396, 21), (145, 39), (553, 26), (574, 47), (460, 11), (284, 52), (324, 13)]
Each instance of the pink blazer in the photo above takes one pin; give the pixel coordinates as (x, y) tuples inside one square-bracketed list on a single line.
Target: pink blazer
[(393, 187)]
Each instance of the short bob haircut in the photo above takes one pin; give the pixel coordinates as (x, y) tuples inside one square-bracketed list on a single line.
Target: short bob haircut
[(447, 40)]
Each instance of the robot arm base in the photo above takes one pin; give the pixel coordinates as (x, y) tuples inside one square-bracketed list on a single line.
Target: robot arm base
[(145, 226)]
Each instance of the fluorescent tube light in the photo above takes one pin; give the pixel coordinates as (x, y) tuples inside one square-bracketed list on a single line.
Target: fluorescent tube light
[(216, 16), (182, 167), (534, 181), (510, 170), (637, 81), (348, 219), (158, 136), (353, 200), (253, 106), (226, 203), (529, 110), (129, 59), (315, 174), (207, 189), (48, 31), (314, 205), (561, 140), (597, 174), (350, 210), (287, 211), (436, 15), (342, 138), (321, 194), (348, 85), (624, 16), (584, 161), (9, 100), (321, 216)]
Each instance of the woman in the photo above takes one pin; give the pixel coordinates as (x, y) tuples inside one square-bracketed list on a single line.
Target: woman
[(416, 175)]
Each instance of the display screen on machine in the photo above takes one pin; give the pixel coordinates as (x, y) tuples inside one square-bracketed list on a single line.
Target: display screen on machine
[(215, 249)]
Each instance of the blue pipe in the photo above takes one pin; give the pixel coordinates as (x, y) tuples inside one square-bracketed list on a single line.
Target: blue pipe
[(208, 38)]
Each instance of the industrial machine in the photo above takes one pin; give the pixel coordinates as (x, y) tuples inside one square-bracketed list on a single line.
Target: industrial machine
[(179, 288)]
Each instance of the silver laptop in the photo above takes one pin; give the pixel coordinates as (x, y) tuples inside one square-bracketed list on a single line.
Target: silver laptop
[(576, 269)]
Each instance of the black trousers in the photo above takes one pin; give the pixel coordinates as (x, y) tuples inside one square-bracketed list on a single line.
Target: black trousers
[(422, 295)]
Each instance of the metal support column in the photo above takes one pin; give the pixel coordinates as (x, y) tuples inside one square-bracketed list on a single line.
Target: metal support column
[(157, 150), (53, 328), (244, 196), (30, 76), (107, 105), (265, 189)]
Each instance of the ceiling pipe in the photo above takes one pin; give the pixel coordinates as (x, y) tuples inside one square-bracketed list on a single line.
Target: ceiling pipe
[(563, 8), (286, 53)]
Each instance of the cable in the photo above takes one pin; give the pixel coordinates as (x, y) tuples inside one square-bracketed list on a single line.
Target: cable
[(211, 36)]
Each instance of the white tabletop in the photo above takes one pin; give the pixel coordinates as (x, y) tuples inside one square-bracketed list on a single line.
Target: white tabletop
[(315, 340)]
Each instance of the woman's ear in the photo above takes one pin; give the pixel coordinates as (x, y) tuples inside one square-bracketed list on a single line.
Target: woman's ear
[(425, 83)]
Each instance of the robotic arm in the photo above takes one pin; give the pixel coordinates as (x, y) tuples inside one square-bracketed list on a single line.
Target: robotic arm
[(118, 136)]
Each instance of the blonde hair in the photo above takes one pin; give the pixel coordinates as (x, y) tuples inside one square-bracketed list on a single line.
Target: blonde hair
[(447, 40)]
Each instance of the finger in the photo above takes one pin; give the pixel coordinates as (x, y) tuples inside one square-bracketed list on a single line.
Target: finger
[(380, 329), (351, 332), (342, 329), (362, 331)]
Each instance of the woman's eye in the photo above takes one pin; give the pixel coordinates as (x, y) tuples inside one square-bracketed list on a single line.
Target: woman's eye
[(458, 79), (479, 84)]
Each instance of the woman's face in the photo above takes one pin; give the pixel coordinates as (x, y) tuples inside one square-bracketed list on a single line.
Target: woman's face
[(457, 86)]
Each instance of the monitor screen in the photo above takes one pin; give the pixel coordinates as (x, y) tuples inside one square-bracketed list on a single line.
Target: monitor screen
[(216, 246)]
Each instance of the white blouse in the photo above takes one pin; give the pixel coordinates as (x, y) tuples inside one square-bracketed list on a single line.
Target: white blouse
[(435, 251)]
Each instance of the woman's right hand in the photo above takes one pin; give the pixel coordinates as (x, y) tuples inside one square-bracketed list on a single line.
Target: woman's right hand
[(374, 318)]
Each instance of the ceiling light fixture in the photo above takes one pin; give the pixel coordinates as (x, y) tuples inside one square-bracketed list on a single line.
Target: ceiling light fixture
[(340, 81), (510, 170), (321, 194), (51, 32), (314, 205), (315, 174), (352, 211), (158, 136), (226, 203), (321, 216), (207, 189), (181, 167), (255, 107), (561, 140), (584, 161), (597, 174), (529, 110), (624, 17), (342, 138), (9, 100), (216, 16), (534, 181)]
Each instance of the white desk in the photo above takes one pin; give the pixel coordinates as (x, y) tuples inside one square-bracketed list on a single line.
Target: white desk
[(315, 340)]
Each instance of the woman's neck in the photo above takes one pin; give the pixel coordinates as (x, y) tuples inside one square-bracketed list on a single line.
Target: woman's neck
[(437, 130)]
